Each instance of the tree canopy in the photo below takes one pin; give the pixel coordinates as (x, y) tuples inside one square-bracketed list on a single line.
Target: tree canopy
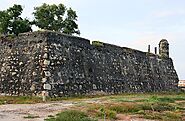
[(56, 18), (47, 17), (12, 23)]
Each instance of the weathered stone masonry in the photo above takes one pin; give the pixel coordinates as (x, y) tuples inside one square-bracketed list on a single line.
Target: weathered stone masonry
[(73, 66)]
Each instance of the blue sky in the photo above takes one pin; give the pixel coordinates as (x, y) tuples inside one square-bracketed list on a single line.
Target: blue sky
[(130, 23)]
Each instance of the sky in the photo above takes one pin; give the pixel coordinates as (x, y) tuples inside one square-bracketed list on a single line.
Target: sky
[(127, 23)]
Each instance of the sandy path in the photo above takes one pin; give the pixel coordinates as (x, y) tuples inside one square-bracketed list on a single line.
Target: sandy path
[(17, 112)]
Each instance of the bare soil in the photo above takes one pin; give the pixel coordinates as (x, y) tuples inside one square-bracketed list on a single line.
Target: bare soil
[(19, 112)]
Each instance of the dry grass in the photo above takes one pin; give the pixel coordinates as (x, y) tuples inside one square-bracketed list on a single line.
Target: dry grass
[(19, 100)]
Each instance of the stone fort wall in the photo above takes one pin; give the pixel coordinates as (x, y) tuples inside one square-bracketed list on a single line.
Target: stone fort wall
[(68, 65)]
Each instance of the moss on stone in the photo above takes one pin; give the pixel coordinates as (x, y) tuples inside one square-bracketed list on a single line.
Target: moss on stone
[(97, 43)]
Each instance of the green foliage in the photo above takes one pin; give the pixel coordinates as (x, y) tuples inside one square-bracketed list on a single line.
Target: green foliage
[(21, 25), (4, 22), (12, 23), (56, 18), (97, 43), (47, 17), (70, 115)]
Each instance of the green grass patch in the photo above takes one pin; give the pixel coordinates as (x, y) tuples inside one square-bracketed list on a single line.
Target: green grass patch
[(71, 115)]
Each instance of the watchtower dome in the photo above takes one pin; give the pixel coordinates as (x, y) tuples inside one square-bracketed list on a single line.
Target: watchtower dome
[(164, 48)]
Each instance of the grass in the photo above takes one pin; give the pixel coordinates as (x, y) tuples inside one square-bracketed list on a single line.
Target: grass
[(106, 113), (160, 99), (166, 116), (151, 110), (19, 100), (159, 110), (71, 115), (158, 106), (125, 108)]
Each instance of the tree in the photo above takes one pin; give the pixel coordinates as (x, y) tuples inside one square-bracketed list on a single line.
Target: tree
[(20, 25), (56, 18), (12, 23), (49, 17), (70, 25), (4, 22)]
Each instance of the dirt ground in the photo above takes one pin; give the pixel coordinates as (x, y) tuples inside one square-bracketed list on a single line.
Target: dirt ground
[(19, 112)]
